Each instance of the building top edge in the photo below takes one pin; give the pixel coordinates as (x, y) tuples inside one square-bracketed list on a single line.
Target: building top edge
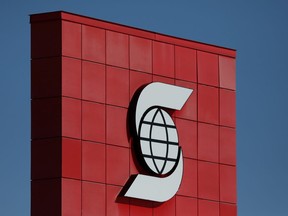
[(85, 20)]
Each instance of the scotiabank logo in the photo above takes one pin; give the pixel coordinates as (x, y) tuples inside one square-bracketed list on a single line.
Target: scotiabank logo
[(156, 143)]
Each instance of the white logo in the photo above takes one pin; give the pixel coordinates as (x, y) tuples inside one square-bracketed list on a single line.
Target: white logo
[(158, 140)]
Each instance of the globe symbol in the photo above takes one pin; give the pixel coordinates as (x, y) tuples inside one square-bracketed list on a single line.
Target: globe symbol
[(158, 141)]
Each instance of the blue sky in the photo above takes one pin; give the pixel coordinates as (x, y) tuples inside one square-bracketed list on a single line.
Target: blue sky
[(257, 29)]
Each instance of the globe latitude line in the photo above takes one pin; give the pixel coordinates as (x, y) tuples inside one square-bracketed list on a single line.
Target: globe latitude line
[(159, 124), (158, 141), (160, 158)]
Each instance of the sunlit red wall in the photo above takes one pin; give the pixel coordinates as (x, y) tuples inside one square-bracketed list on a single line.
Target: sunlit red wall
[(84, 73)]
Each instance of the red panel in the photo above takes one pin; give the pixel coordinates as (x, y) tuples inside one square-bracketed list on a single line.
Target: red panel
[(46, 197), (71, 39), (208, 142), (45, 77), (208, 104), (71, 77), (93, 44), (140, 211), (117, 49), (187, 135), (71, 158), (208, 180), (114, 208), (186, 206), (185, 64), (51, 158), (163, 79), (140, 54), (93, 162), (93, 121), (93, 82), (117, 165), (227, 70), (117, 126), (46, 118), (228, 183), (138, 79), (189, 110), (228, 209), (71, 197), (167, 208), (117, 86), (71, 118), (227, 145), (41, 164), (227, 108), (46, 39), (93, 199), (208, 208), (208, 72), (163, 59), (189, 180)]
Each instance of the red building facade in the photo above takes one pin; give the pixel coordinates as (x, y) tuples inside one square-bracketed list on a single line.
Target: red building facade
[(84, 74)]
